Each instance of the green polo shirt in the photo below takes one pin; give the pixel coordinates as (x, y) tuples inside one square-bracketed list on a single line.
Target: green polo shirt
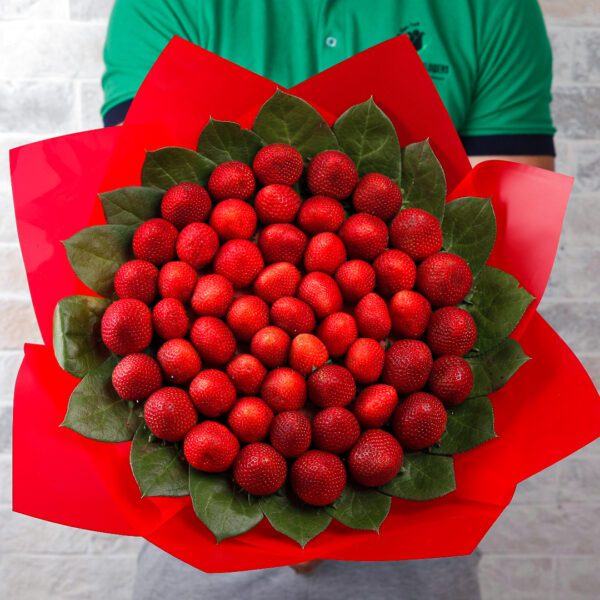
[(489, 59)]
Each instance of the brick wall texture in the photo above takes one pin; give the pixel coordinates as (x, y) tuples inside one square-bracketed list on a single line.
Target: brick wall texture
[(547, 543)]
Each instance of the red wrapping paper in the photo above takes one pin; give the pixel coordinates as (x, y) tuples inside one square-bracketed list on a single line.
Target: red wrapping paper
[(548, 410)]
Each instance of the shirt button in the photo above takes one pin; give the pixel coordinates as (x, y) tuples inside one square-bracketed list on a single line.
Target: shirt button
[(331, 41)]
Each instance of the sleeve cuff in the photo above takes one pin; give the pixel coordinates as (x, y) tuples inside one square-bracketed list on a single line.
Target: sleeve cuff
[(116, 115), (509, 145)]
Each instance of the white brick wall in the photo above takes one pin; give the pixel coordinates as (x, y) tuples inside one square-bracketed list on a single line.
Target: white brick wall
[(545, 546)]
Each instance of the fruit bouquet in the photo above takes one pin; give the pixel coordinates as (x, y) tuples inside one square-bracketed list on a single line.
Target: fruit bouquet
[(292, 325)]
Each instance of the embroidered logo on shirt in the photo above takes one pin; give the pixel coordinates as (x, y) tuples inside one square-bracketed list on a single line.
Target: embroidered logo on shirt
[(437, 71)]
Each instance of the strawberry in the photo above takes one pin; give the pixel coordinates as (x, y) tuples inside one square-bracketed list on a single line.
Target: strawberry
[(410, 314), (444, 279), (154, 241), (246, 316), (247, 374), (321, 293), (325, 252), (127, 327), (419, 421), (416, 232), (319, 214), (179, 361), (240, 261), (197, 244), (282, 242), (210, 447), (373, 317), (232, 179), (377, 195), (212, 392), (277, 204), (365, 236), (364, 360), (355, 278), (271, 345), (332, 173), (170, 414), (170, 319), (233, 219), (307, 353), (185, 203), (276, 281), (214, 341), (451, 379), (375, 459), (375, 405), (331, 385), (212, 296), (335, 429), (395, 271), (338, 332), (451, 330), (278, 163), (284, 389), (177, 280), (293, 316), (407, 366), (136, 377), (291, 433), (137, 279), (259, 469), (250, 419), (318, 478)]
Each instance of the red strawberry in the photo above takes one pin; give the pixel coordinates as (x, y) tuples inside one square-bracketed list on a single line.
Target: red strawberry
[(372, 317), (325, 252), (319, 214), (278, 163), (170, 414), (213, 340), (307, 353), (210, 447), (177, 279), (136, 377), (416, 232), (451, 379), (376, 459), (136, 279), (364, 360), (284, 389), (240, 261), (377, 195), (232, 179), (247, 374), (375, 405), (271, 345), (170, 319), (355, 278), (331, 385), (291, 433), (179, 361), (395, 271), (212, 296), (444, 279), (276, 281), (250, 419), (259, 469), (407, 365), (335, 429), (233, 219), (318, 478), (127, 327), (451, 330), (277, 204), (246, 316), (293, 316), (410, 314), (338, 332), (197, 244), (321, 293), (364, 236), (332, 173), (420, 421), (185, 203), (213, 392), (154, 241), (282, 242)]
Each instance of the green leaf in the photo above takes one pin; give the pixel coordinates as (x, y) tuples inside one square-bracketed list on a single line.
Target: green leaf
[(76, 334), (96, 411), (423, 179), (294, 519), (469, 229), (226, 511), (469, 424), (95, 253), (157, 466), (169, 166), (361, 508), (367, 135), (497, 304), (131, 205), (290, 120), (221, 141), (492, 369), (422, 477)]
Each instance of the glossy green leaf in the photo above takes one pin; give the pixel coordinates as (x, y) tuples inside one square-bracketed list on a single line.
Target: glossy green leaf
[(131, 205), (169, 166), (361, 508), (221, 141)]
